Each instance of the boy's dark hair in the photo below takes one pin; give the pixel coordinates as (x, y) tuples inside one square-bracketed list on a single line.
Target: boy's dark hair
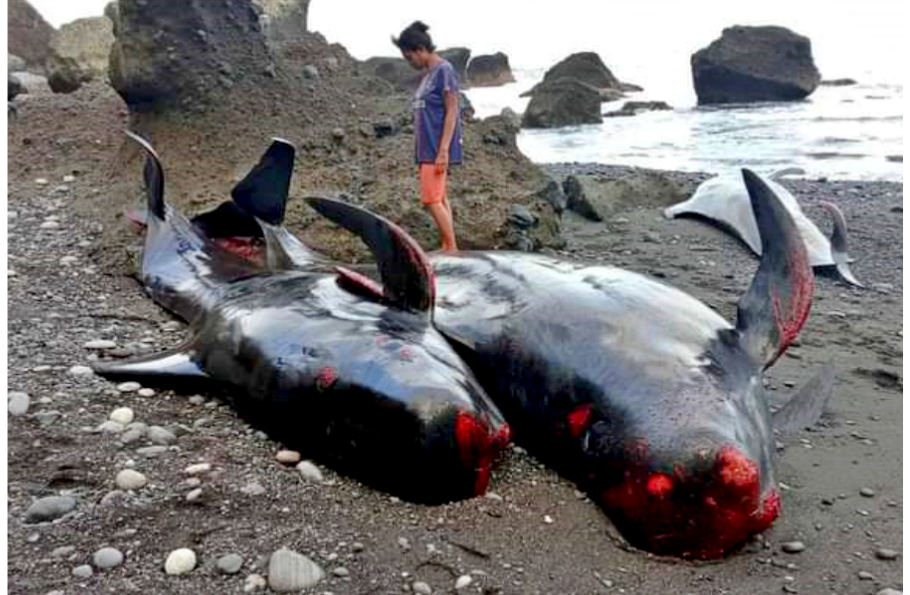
[(414, 37)]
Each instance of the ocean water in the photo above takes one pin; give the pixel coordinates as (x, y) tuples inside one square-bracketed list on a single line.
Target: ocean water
[(839, 132)]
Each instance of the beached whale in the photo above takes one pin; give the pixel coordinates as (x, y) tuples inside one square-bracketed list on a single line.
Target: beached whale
[(725, 200), (643, 395), (371, 389)]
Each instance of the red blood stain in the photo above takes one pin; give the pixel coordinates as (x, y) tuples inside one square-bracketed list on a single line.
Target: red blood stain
[(326, 377), (479, 447), (660, 485), (580, 419)]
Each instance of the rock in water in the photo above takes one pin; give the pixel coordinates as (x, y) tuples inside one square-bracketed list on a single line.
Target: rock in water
[(755, 64)]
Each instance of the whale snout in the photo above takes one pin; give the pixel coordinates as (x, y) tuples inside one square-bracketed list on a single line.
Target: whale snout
[(702, 508)]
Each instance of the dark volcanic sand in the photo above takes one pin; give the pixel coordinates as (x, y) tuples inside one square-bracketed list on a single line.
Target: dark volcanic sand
[(503, 542)]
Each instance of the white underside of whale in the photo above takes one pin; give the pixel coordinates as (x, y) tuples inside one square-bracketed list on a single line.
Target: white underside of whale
[(724, 199)]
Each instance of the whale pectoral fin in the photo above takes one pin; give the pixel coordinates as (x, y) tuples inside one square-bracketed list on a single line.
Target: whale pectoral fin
[(776, 306), (169, 368), (839, 244), (806, 407), (263, 193), (404, 267)]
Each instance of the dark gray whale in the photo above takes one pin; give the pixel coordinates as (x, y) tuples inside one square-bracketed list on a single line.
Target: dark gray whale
[(643, 395), (371, 389)]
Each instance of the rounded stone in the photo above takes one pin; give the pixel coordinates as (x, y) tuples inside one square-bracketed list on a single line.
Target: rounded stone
[(83, 571), (309, 471), (17, 403), (180, 561), (341, 572), (81, 371), (886, 554), (131, 480), (162, 436), (290, 571), (122, 415), (107, 557), (100, 344), (128, 387), (229, 563), (463, 581), (793, 547), (111, 427), (421, 588), (287, 457), (49, 508)]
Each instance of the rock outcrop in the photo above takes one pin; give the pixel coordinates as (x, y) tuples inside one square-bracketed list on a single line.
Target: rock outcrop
[(80, 52), (393, 70), (750, 64), (29, 34), (490, 70), (599, 198), (588, 68), (631, 108), (175, 52), (563, 102), (458, 58)]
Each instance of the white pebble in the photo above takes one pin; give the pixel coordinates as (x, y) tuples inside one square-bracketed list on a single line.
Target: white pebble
[(83, 571), (254, 582), (194, 495), (17, 403), (463, 581), (180, 561), (41, 181), (107, 557), (122, 415), (309, 471), (146, 392), (81, 371), (52, 224), (197, 400), (69, 178), (198, 468), (128, 387), (131, 480), (287, 457), (421, 588), (100, 344)]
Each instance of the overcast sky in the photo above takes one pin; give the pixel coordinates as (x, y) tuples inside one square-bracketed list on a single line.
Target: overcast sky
[(536, 33)]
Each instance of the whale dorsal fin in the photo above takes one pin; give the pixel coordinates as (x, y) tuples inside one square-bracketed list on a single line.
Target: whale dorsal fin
[(776, 306), (154, 177), (406, 274), (839, 243), (263, 193)]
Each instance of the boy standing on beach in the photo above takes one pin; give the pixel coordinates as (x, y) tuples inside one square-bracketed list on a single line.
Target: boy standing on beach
[(437, 126)]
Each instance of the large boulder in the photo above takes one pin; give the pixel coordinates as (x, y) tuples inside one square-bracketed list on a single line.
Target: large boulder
[(29, 34), (458, 58), (563, 102), (283, 21), (33, 84), (588, 68), (755, 64), (600, 197), (80, 51), (490, 70), (394, 70), (185, 53)]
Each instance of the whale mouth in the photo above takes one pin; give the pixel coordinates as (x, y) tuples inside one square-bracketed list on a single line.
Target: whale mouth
[(479, 446), (698, 514)]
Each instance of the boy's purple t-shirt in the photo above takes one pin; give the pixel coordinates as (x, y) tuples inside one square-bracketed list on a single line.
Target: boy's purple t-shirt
[(430, 113)]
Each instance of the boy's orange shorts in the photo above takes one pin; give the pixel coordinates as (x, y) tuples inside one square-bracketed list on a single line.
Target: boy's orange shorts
[(432, 184)]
